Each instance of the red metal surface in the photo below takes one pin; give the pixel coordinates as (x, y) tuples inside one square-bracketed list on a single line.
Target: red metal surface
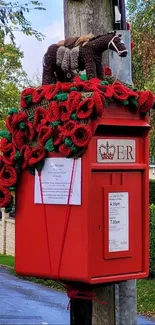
[(86, 255)]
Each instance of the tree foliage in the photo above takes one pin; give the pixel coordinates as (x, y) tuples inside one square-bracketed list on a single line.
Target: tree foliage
[(12, 77), (142, 19), (13, 18)]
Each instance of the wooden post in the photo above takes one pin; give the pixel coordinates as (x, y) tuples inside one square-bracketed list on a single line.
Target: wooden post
[(84, 17), (88, 16)]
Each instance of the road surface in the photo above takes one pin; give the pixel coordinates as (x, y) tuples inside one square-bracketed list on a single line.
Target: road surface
[(26, 303)]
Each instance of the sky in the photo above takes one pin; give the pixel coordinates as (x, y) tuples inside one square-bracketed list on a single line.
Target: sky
[(49, 23)]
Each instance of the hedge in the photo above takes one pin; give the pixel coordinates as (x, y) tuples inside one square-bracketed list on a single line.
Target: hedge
[(152, 241), (152, 191)]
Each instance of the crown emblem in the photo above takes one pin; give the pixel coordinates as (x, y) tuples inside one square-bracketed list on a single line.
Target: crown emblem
[(107, 151)]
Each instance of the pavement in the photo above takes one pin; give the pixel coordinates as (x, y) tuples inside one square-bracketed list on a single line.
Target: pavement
[(26, 303)]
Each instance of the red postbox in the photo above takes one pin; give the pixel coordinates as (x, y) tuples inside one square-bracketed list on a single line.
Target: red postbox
[(106, 238)]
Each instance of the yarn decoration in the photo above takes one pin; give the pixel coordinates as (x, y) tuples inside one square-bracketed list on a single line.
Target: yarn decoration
[(57, 118)]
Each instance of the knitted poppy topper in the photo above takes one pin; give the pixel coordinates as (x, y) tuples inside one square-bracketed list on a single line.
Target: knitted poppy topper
[(61, 126)]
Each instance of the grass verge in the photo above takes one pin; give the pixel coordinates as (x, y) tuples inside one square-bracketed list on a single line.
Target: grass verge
[(7, 260), (145, 288), (146, 297)]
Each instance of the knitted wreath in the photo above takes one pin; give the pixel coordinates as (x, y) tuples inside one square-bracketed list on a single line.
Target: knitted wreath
[(62, 125)]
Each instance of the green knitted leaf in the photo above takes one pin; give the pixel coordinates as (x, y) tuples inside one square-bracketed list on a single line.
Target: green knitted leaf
[(9, 208), (55, 124), (133, 102), (39, 165), (18, 167), (49, 146), (73, 89), (89, 94), (31, 118), (13, 110), (74, 116), (61, 97), (22, 126), (12, 189), (5, 134), (17, 155), (125, 102), (31, 170), (74, 148), (83, 77), (107, 101), (28, 99), (68, 142), (105, 82)]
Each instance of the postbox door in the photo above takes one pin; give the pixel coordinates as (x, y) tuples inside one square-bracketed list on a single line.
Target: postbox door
[(116, 222)]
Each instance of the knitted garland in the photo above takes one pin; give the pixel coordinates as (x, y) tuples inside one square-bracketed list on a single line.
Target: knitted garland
[(63, 127)]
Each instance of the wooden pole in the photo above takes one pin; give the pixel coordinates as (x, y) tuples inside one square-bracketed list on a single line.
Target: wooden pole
[(88, 16), (96, 16)]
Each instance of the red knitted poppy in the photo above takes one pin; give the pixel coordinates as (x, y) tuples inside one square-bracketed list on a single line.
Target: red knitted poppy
[(8, 176), (9, 157), (39, 93), (25, 92), (57, 135), (64, 150), (107, 71), (30, 131), (65, 111), (120, 92), (81, 135), (5, 145), (18, 118), (131, 93), (53, 91), (44, 134), (8, 123), (81, 85), (37, 154), (1, 162), (66, 86), (25, 153), (145, 101), (85, 108), (53, 112), (93, 84), (74, 99), (108, 90), (40, 118), (99, 102), (19, 138), (69, 126), (5, 196)]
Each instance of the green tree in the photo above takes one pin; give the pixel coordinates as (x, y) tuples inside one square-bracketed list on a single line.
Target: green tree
[(12, 77), (141, 14), (13, 18)]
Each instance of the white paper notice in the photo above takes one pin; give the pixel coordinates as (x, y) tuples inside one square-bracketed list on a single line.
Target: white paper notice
[(118, 221), (56, 178)]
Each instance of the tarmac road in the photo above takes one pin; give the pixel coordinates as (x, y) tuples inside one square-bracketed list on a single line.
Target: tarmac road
[(26, 303)]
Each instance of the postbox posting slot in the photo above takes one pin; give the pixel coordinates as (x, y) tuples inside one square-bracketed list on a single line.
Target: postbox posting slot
[(122, 130)]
